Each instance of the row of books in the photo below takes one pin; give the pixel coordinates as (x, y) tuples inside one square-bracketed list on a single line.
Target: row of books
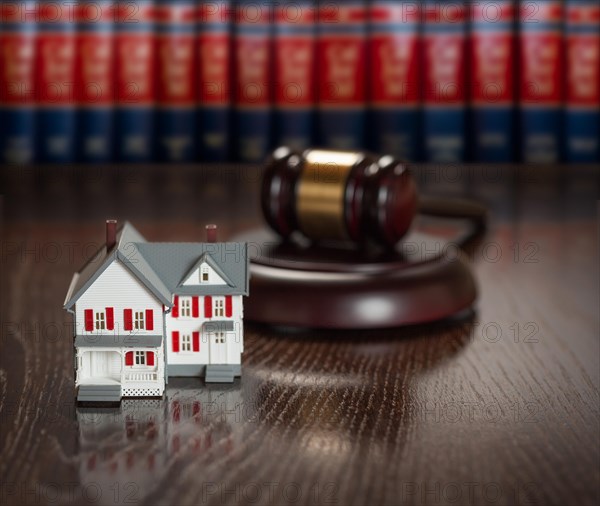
[(189, 80)]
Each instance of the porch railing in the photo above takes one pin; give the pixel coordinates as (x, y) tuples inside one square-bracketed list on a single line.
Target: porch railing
[(141, 376)]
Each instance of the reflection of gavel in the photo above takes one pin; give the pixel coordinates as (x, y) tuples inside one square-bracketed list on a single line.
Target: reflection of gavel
[(336, 195)]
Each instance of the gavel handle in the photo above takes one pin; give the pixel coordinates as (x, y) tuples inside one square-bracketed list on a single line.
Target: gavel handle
[(454, 208)]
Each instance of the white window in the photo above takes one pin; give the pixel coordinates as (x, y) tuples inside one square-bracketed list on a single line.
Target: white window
[(139, 320), (186, 307), (204, 275), (100, 320), (186, 342), (220, 337), (219, 307), (140, 358)]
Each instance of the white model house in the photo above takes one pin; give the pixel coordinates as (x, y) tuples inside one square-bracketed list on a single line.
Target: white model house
[(145, 311)]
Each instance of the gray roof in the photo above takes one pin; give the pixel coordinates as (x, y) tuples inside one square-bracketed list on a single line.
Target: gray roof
[(119, 341), (174, 261), (218, 326), (162, 267)]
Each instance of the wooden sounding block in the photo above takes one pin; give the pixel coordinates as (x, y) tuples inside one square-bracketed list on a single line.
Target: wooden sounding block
[(297, 284)]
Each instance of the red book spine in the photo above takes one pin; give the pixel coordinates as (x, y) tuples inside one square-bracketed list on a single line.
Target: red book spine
[(18, 23)]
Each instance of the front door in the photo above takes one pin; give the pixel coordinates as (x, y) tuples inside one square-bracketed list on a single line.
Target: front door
[(218, 347), (99, 364), (105, 364)]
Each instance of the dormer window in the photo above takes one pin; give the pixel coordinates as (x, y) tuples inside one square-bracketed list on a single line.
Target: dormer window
[(204, 274), (186, 307)]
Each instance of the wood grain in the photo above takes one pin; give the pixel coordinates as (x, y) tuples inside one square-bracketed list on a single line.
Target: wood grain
[(499, 407)]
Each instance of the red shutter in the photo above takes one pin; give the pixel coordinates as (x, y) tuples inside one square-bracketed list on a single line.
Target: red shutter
[(228, 306), (149, 319), (110, 318), (175, 336), (208, 306), (175, 310), (89, 320), (129, 358), (195, 309), (127, 319), (196, 341), (150, 358)]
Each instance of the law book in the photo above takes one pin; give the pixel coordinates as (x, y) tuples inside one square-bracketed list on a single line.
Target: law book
[(253, 80), (294, 65), (135, 93), (444, 81), (541, 80), (94, 80), (492, 52), (176, 83), (582, 107), (394, 80), (341, 74), (17, 81), (214, 80), (55, 80)]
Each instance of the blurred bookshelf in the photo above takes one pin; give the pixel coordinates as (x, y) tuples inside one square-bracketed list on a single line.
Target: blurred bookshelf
[(189, 81)]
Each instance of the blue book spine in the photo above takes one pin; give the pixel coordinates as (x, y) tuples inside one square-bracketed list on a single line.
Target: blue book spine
[(582, 112), (214, 80), (341, 76), (176, 84), (541, 80), (394, 86), (492, 91), (294, 50), (94, 80), (17, 82), (135, 64), (55, 69), (444, 60), (253, 81)]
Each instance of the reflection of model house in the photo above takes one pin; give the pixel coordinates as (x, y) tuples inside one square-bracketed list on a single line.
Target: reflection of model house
[(145, 311), (143, 435)]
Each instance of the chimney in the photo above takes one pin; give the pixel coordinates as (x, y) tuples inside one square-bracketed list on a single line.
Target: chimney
[(211, 233), (111, 234)]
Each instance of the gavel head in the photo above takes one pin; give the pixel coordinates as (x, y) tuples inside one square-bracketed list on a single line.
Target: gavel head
[(338, 196)]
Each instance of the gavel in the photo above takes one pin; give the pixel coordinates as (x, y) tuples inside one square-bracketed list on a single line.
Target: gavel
[(338, 196)]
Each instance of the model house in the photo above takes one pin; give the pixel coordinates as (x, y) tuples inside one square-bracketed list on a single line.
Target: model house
[(145, 311)]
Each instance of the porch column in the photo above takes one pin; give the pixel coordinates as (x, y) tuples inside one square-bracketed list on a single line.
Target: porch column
[(122, 366)]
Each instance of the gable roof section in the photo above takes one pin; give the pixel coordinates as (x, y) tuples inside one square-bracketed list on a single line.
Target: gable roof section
[(206, 258), (173, 262), (126, 252), (162, 267)]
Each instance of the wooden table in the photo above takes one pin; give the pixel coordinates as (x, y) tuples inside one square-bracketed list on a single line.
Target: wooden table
[(500, 408)]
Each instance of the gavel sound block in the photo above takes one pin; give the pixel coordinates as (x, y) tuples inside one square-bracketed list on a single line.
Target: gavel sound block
[(336, 261)]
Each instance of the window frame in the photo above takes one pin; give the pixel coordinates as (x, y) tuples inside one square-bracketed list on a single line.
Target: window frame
[(99, 320), (219, 307), (185, 307), (139, 359), (139, 320), (185, 343)]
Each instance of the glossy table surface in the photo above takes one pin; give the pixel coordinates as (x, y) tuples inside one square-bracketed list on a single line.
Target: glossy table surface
[(499, 407)]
